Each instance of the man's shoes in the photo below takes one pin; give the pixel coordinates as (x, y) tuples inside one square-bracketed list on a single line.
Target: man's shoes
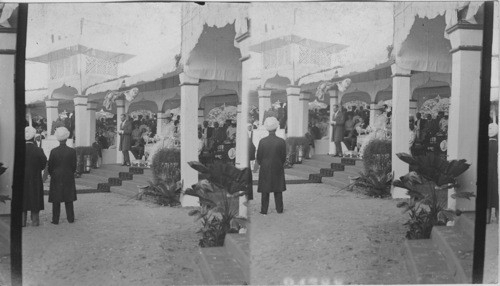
[(124, 164), (263, 213), (53, 222)]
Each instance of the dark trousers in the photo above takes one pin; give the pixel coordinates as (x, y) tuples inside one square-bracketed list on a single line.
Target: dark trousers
[(56, 212), (126, 157), (338, 147), (278, 200)]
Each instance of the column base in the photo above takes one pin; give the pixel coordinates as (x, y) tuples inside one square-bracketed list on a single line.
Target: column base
[(399, 193), (189, 201)]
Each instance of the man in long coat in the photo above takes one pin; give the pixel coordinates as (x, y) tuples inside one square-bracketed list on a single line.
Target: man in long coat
[(33, 183), (62, 168), (125, 138), (271, 155), (337, 123)]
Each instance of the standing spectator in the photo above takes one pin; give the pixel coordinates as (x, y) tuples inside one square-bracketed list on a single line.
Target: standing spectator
[(337, 129), (33, 183), (349, 136), (271, 155), (62, 168), (419, 126), (125, 138)]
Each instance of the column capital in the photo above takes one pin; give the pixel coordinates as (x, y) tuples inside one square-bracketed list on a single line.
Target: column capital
[(120, 102), (466, 37), (51, 103), (80, 100), (399, 72), (293, 90), (305, 95), (91, 105), (264, 93), (187, 80), (334, 93)]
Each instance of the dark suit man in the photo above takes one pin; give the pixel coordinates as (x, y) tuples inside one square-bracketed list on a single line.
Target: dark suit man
[(125, 138), (33, 183), (337, 123), (62, 168), (271, 156)]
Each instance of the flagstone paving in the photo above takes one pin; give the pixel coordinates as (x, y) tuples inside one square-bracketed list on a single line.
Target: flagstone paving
[(114, 241), (327, 237)]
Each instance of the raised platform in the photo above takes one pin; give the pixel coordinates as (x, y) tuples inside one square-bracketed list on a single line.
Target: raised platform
[(445, 258), (226, 265)]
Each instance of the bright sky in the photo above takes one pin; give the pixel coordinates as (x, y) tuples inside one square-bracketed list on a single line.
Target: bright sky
[(150, 31)]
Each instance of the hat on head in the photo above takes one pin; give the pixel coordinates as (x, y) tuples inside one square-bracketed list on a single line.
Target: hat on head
[(492, 130), (29, 133), (271, 123), (61, 133)]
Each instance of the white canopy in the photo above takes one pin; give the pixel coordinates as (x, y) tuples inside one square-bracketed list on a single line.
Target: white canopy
[(420, 39)]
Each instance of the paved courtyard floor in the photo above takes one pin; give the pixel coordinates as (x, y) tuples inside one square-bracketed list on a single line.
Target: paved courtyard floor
[(327, 237), (114, 241)]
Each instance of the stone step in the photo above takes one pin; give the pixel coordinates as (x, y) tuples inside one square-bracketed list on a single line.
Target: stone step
[(238, 246), (425, 264), (218, 267), (315, 178), (334, 182), (298, 173), (330, 159), (115, 167), (316, 163), (457, 250), (326, 172), (465, 223), (123, 191), (306, 168), (104, 172), (93, 178)]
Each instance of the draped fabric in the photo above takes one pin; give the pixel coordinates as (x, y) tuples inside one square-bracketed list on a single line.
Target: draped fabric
[(420, 39), (208, 40)]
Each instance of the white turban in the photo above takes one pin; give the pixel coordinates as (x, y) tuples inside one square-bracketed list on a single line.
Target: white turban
[(29, 133), (271, 123), (61, 133), (492, 129)]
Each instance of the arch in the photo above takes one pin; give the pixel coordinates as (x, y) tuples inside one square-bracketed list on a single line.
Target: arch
[(64, 92), (430, 91), (355, 96), (277, 82), (171, 104), (143, 105), (211, 101), (384, 95)]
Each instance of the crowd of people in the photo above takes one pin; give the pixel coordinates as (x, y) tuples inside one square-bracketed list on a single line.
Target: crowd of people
[(428, 134), (216, 140)]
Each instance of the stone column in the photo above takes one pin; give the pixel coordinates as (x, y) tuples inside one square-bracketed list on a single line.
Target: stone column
[(247, 62), (463, 126), (303, 115), (240, 136), (52, 113), (81, 121), (159, 121), (334, 99), (91, 110), (372, 112), (189, 134), (413, 108), (120, 109), (264, 103), (293, 107), (7, 114), (400, 120)]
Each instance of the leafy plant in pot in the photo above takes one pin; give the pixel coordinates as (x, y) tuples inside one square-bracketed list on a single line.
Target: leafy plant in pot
[(166, 186), (427, 184), (219, 193)]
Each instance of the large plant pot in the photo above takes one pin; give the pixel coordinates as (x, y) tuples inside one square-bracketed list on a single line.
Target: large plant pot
[(87, 160)]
